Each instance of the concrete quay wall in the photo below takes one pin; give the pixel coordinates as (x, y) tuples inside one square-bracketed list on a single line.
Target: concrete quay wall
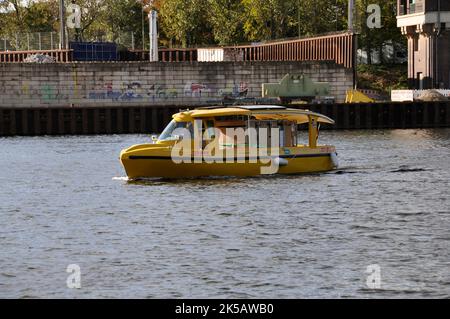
[(145, 84)]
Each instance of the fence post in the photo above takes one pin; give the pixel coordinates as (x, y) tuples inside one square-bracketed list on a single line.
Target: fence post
[(40, 41), (28, 41), (132, 40)]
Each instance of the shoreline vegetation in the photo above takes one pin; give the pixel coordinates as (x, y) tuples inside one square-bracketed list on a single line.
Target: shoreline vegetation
[(383, 77)]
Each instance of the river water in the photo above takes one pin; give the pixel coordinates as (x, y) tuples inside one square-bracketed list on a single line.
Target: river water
[(64, 200)]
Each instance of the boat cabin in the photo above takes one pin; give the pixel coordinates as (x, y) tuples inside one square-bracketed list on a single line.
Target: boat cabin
[(285, 121)]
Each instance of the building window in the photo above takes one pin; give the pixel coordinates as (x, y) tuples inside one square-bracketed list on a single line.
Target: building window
[(412, 6), (416, 43)]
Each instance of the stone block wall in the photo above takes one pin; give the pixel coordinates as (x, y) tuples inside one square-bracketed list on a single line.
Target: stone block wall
[(142, 83)]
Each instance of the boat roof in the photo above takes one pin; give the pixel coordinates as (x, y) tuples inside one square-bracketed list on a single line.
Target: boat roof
[(259, 112)]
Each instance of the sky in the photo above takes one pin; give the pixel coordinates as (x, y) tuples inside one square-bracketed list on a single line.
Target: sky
[(22, 2)]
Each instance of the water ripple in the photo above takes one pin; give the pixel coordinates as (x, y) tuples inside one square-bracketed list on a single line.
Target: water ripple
[(305, 236)]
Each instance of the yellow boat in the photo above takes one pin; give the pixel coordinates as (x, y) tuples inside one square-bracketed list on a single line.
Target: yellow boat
[(233, 141)]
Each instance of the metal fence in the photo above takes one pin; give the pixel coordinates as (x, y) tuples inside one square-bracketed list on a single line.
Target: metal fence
[(50, 41), (337, 47), (30, 41), (20, 56)]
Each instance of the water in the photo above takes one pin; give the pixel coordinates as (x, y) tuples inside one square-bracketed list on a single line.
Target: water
[(63, 200)]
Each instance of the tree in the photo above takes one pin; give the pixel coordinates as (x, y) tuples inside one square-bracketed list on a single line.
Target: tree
[(123, 15), (323, 16), (93, 23), (375, 40), (269, 19), (41, 16), (226, 21), (184, 21), (22, 17), (13, 20)]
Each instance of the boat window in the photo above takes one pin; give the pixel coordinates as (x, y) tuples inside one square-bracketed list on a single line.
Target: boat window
[(287, 132), (302, 135), (210, 129), (168, 133)]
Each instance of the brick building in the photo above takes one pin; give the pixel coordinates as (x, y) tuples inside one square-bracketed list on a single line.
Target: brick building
[(426, 24)]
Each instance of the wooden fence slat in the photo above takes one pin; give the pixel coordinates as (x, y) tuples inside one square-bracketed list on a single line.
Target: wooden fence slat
[(143, 119), (37, 122), (447, 120), (85, 121), (73, 122), (154, 120), (25, 130), (2, 124), (108, 121), (61, 122), (119, 120)]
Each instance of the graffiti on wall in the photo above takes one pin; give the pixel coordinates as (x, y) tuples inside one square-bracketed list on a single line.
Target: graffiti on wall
[(199, 90), (47, 92), (238, 90), (130, 91), (159, 91), (193, 89), (25, 90), (135, 91)]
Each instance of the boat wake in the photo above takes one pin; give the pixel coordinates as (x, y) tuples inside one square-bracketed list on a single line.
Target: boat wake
[(122, 179), (349, 170), (409, 170), (342, 172)]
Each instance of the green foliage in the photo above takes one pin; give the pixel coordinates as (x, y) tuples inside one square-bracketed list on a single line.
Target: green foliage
[(41, 17), (207, 22), (226, 21), (269, 19), (322, 16), (383, 78), (184, 21), (121, 16), (375, 39)]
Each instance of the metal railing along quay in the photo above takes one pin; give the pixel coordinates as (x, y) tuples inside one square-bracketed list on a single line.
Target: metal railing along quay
[(335, 47), (20, 56), (338, 47)]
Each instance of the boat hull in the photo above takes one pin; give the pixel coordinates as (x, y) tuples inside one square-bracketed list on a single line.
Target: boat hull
[(146, 165)]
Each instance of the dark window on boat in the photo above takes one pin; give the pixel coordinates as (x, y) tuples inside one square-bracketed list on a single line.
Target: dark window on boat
[(210, 130)]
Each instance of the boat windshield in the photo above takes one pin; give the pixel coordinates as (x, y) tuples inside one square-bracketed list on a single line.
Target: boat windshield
[(173, 132)]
